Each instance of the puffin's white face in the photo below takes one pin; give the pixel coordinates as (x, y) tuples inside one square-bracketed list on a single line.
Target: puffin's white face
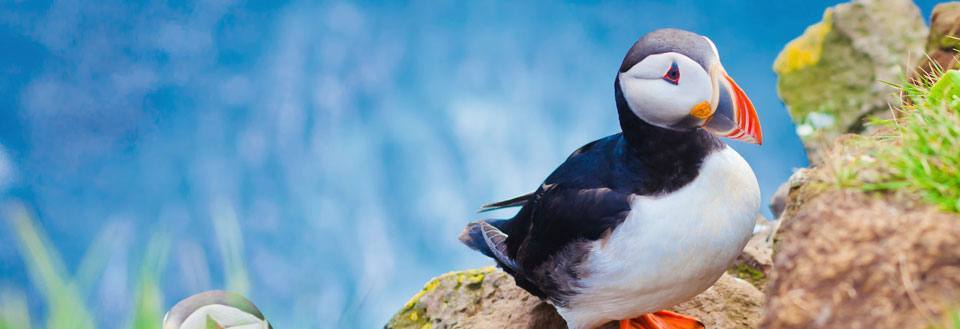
[(673, 79), (663, 89)]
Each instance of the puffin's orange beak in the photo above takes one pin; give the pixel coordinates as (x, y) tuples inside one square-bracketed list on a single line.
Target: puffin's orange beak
[(734, 116)]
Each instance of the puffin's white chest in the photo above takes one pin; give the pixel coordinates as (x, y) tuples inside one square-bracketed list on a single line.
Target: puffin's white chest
[(670, 247)]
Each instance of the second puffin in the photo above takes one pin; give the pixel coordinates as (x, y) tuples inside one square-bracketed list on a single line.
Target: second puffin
[(639, 221)]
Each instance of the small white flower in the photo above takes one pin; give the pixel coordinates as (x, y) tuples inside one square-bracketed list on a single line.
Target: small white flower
[(820, 120), (804, 130)]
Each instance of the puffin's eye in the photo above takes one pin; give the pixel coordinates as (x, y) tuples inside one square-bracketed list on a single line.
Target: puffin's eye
[(673, 74)]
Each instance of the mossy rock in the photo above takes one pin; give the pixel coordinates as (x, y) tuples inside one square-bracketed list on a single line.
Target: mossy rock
[(489, 298), (751, 274), (476, 298), (836, 75)]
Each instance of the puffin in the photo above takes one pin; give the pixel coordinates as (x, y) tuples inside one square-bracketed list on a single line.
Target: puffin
[(215, 309), (634, 223)]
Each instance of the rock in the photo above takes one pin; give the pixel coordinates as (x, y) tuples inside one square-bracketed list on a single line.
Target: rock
[(778, 203), (833, 77), (730, 303), (481, 298), (847, 259), (488, 298), (786, 200), (755, 262), (942, 42)]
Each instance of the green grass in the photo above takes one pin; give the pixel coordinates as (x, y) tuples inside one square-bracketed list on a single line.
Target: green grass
[(925, 156), (65, 293), (954, 320), (65, 303), (13, 310), (148, 312), (227, 231), (917, 153), (950, 320)]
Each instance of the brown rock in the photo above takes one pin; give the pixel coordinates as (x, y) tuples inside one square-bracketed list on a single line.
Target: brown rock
[(851, 260), (481, 298), (730, 303), (778, 203), (942, 42), (756, 260), (488, 298)]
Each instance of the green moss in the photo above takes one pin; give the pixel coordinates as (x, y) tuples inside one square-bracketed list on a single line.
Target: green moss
[(948, 42), (750, 274)]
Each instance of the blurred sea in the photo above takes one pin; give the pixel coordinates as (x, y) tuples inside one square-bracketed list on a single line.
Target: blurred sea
[(322, 156)]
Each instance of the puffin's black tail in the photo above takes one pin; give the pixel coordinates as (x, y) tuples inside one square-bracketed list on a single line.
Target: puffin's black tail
[(472, 235)]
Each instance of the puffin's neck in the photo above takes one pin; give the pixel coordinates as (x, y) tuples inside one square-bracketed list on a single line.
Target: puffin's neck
[(663, 152)]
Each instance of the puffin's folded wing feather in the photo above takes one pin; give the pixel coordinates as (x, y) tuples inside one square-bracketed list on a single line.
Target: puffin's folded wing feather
[(497, 242), (582, 199), (513, 202)]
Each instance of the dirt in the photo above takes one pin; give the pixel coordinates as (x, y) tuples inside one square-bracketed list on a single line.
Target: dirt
[(848, 259)]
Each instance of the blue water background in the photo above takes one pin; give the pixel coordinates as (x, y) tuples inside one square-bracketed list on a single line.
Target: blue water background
[(351, 140)]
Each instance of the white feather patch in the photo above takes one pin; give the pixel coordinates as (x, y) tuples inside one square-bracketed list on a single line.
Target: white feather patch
[(671, 247)]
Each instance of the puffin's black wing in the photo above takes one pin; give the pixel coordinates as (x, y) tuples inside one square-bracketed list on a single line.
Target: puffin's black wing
[(550, 240), (580, 202), (564, 215)]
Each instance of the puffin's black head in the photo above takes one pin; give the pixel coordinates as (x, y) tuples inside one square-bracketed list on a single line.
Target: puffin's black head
[(673, 79)]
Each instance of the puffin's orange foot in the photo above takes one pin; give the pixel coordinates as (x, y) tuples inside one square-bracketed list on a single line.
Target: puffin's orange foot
[(662, 320)]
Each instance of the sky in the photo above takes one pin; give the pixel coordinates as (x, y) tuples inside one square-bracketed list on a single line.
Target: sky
[(349, 141)]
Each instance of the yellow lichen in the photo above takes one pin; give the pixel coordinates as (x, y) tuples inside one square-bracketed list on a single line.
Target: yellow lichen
[(472, 278), (806, 49), (475, 278), (416, 315), (430, 286)]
